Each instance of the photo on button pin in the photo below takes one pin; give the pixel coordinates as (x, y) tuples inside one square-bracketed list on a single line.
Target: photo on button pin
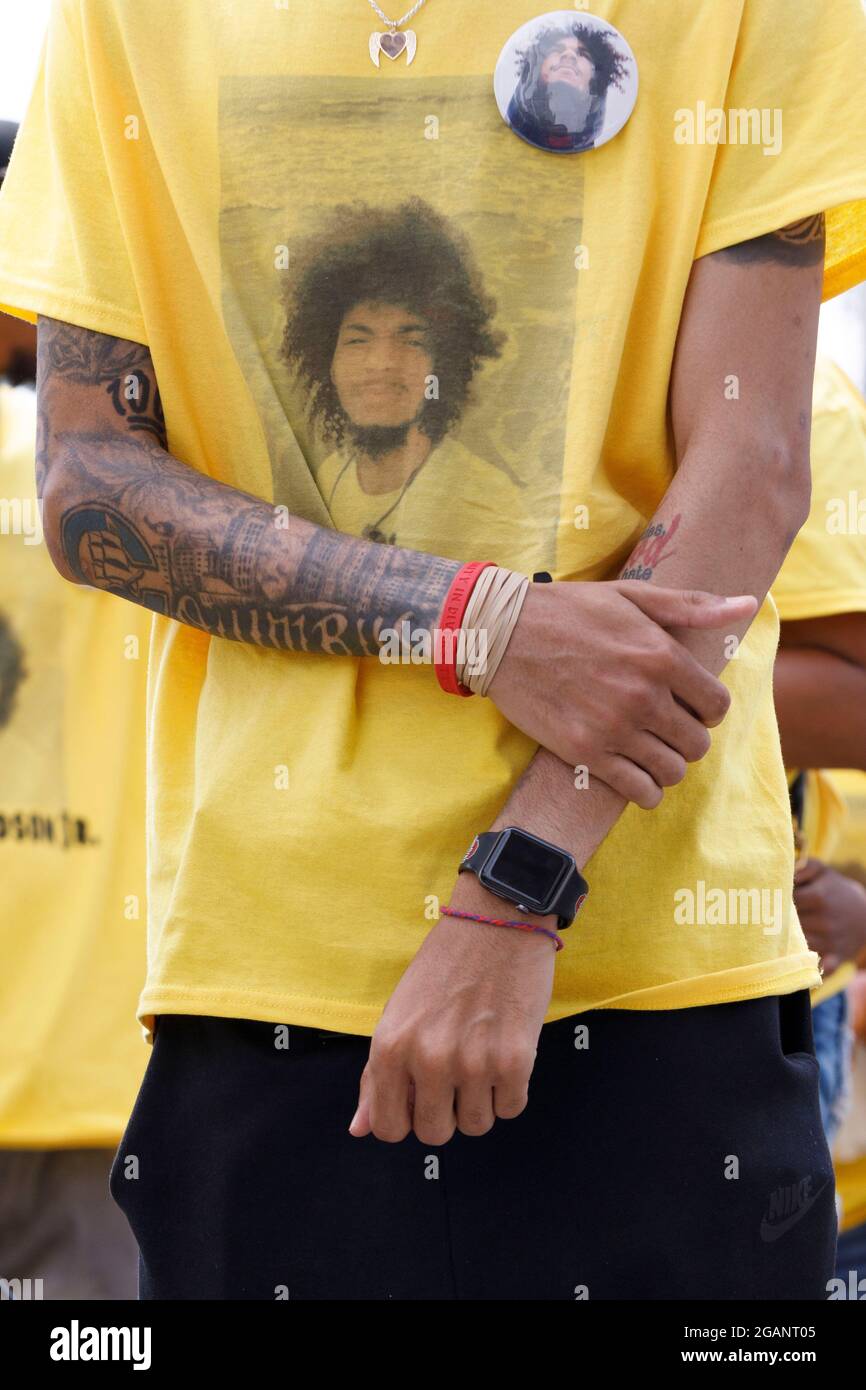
[(565, 82)]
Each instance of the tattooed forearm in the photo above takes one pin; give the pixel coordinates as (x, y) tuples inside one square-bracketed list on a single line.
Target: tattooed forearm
[(123, 515), (88, 359), (653, 547), (146, 527), (799, 244), (123, 370)]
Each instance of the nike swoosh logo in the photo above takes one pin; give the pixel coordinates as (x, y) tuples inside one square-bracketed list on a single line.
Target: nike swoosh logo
[(773, 1232)]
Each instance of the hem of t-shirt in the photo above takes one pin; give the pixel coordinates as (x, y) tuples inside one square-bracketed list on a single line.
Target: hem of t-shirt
[(744, 224), (344, 1016), (27, 297), (795, 608), (724, 987), (78, 1134)]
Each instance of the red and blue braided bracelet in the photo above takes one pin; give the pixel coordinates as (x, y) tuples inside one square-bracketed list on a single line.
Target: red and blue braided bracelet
[(501, 922)]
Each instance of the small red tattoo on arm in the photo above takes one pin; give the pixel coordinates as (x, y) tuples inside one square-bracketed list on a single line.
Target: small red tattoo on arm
[(650, 550)]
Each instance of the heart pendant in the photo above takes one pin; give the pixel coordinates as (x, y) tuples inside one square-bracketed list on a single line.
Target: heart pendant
[(392, 45)]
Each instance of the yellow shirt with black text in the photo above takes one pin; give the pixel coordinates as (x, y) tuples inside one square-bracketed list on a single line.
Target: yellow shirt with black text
[(72, 844), (825, 574)]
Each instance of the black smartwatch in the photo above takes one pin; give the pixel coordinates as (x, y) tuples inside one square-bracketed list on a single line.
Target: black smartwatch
[(531, 873)]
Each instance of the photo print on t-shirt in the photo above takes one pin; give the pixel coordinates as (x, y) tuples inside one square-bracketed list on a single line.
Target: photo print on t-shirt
[(402, 308)]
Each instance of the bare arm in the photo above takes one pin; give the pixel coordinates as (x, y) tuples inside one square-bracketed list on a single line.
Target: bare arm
[(742, 487), (819, 684), (122, 514), (462, 1025)]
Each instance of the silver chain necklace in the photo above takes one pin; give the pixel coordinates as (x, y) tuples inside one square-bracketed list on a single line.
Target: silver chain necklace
[(393, 43)]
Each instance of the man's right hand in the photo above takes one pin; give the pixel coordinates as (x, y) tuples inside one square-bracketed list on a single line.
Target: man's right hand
[(620, 695)]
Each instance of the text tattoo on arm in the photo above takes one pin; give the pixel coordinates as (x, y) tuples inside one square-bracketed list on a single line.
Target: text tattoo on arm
[(654, 546)]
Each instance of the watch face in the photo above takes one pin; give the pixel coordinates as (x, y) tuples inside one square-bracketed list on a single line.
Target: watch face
[(525, 868)]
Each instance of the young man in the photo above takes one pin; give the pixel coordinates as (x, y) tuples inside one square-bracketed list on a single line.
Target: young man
[(850, 1148), (310, 805), (820, 687)]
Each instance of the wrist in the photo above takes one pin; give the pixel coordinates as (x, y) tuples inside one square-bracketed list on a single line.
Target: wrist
[(478, 618), (449, 629), (563, 805)]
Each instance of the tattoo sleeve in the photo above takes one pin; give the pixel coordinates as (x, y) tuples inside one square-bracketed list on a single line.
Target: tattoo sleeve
[(122, 514)]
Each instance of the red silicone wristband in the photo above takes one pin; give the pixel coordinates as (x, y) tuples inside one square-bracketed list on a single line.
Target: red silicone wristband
[(450, 619)]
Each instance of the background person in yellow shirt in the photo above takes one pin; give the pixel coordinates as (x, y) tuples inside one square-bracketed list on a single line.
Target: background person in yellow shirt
[(309, 804), (820, 692), (849, 1154), (850, 1158), (72, 884)]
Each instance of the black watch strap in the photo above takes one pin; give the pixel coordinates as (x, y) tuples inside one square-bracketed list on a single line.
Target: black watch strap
[(478, 852)]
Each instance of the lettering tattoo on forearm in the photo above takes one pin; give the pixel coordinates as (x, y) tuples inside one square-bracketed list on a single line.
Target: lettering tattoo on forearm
[(799, 244), (652, 548), (148, 528), (217, 559)]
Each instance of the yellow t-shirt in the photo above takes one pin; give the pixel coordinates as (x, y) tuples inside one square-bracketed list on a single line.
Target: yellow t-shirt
[(72, 852), (222, 186), (825, 573), (491, 503), (849, 1152), (851, 1190), (850, 847), (850, 856), (822, 826), (824, 815), (825, 570)]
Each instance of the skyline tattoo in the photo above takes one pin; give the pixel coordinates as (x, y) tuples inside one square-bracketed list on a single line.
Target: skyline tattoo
[(148, 528)]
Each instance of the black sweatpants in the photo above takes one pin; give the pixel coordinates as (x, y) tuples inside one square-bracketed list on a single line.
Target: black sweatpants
[(662, 1155)]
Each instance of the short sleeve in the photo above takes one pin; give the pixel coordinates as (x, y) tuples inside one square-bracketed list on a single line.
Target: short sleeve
[(62, 246), (792, 135)]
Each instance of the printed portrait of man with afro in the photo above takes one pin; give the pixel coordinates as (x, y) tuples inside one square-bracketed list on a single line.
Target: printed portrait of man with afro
[(387, 326)]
